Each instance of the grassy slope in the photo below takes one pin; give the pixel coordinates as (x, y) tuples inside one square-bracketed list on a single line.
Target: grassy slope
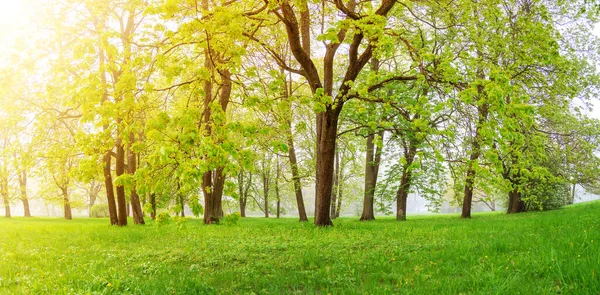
[(532, 253)]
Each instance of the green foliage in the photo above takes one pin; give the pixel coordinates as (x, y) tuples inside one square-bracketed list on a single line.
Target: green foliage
[(163, 219), (232, 219), (99, 210)]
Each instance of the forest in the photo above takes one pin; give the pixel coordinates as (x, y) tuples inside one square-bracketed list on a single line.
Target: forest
[(154, 108)]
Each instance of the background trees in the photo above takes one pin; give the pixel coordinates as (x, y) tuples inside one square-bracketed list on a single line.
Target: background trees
[(197, 105)]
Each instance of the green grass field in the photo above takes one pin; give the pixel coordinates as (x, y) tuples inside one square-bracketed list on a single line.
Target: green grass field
[(532, 253)]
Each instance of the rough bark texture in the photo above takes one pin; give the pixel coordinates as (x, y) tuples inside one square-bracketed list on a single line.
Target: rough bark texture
[(134, 199), (373, 158), (212, 187)]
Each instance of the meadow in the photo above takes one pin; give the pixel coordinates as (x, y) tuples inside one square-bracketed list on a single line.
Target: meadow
[(531, 253)]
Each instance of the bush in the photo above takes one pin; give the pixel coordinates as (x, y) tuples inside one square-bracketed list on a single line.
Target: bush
[(99, 211), (231, 219), (163, 218)]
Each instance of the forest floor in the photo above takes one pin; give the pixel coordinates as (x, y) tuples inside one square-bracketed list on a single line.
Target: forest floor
[(529, 253)]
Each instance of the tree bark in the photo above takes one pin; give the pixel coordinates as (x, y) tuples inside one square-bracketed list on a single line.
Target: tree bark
[(212, 186), (110, 191), (571, 200), (4, 191), (120, 170), (336, 181), (515, 203), (23, 191), (476, 143), (277, 196), (296, 174), (373, 158), (66, 204), (243, 188), (153, 205), (405, 182), (266, 181), (134, 199)]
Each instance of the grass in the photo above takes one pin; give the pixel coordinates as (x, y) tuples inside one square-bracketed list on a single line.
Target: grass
[(532, 253)]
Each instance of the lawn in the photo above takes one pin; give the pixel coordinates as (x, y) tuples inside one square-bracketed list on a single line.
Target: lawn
[(531, 253)]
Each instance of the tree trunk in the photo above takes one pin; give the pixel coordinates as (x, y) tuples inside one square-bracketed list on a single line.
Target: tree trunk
[(23, 190), (66, 204), (277, 196), (266, 193), (212, 186), (182, 204), (373, 159), (515, 203), (296, 176), (336, 179), (405, 182), (153, 205), (571, 200), (4, 191), (110, 191), (134, 199), (243, 188), (120, 170), (290, 135), (326, 140), (471, 168)]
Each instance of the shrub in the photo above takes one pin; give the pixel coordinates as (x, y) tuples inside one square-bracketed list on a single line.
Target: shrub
[(231, 219), (163, 218), (99, 211)]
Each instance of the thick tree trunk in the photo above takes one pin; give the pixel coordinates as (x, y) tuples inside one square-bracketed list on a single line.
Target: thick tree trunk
[(120, 170), (66, 204), (23, 191), (212, 186), (336, 181), (471, 168), (134, 199), (326, 140), (110, 191), (515, 203), (373, 158)]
